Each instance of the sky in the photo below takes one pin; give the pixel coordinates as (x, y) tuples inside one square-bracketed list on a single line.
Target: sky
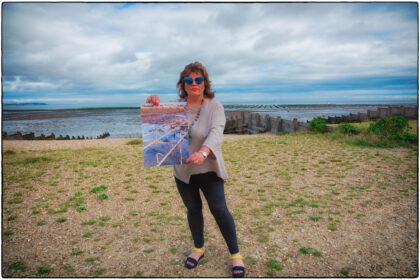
[(117, 54)]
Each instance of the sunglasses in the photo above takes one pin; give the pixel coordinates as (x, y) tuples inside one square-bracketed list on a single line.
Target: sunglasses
[(198, 80)]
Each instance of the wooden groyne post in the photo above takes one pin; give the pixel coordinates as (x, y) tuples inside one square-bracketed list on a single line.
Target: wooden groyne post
[(382, 112), (245, 122)]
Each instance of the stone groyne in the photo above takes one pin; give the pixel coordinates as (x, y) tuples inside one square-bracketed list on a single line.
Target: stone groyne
[(248, 122)]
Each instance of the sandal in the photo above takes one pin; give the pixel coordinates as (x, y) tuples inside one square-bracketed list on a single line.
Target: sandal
[(237, 268), (194, 261)]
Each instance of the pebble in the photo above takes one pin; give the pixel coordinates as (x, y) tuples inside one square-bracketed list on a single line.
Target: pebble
[(302, 230)]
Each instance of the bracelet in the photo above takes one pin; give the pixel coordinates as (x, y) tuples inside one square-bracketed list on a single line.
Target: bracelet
[(204, 154)]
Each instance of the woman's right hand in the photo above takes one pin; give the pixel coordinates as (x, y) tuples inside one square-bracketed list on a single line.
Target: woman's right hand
[(153, 99)]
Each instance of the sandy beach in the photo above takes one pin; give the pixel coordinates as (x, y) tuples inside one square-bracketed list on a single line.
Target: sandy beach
[(305, 205)]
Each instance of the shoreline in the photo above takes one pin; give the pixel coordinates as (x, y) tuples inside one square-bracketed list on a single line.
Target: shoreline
[(38, 145)]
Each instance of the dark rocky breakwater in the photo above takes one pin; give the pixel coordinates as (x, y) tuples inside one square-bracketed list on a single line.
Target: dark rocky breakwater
[(31, 136)]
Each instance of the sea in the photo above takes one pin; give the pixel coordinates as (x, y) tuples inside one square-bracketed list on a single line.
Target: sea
[(125, 122)]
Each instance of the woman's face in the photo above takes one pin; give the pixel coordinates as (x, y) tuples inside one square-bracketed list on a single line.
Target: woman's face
[(195, 90)]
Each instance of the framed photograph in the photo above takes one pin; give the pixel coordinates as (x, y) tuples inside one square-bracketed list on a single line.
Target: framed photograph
[(165, 134)]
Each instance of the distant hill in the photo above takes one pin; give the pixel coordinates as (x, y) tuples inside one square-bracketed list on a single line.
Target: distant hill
[(24, 103)]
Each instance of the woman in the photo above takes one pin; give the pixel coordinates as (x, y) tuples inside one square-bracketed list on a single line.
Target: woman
[(204, 168)]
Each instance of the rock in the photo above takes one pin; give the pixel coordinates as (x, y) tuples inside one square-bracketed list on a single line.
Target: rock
[(16, 136)]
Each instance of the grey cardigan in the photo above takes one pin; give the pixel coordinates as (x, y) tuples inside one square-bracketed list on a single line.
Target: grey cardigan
[(207, 131)]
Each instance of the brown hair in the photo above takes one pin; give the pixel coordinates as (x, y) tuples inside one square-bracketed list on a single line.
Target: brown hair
[(190, 68)]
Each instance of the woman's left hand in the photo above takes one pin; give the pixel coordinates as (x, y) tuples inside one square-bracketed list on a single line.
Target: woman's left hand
[(196, 158)]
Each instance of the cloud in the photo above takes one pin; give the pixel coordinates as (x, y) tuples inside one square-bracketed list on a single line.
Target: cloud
[(104, 48)]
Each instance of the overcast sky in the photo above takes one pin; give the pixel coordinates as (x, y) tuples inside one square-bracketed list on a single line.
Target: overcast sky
[(283, 53)]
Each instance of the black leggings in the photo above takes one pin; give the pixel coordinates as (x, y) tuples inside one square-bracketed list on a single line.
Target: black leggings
[(213, 190)]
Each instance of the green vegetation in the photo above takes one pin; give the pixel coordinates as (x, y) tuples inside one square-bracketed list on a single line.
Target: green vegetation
[(7, 232), (274, 265), (310, 251), (345, 272), (17, 266), (43, 270), (61, 220), (318, 124), (98, 189), (31, 160), (76, 252), (135, 142), (390, 132), (99, 271), (347, 128), (393, 129), (102, 196)]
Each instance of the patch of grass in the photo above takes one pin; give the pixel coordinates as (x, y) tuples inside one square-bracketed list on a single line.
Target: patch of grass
[(11, 218), (304, 250), (7, 232), (40, 223), (99, 271), (360, 216), (332, 227), (9, 152), (17, 266), (135, 142), (313, 205), (31, 160), (102, 196), (88, 223), (61, 220), (62, 209), (274, 265), (98, 189), (262, 238), (15, 200), (335, 192), (76, 252), (310, 251), (345, 272), (315, 218), (129, 199), (104, 218), (43, 270), (68, 268), (347, 128), (317, 253)]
